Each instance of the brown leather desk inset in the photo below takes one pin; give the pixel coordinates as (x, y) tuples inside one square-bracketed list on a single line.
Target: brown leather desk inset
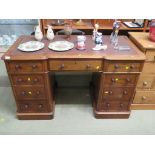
[(115, 75)]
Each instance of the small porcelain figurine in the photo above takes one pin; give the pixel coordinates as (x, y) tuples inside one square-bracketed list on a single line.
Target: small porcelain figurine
[(50, 33), (38, 34), (98, 39), (81, 43), (99, 42)]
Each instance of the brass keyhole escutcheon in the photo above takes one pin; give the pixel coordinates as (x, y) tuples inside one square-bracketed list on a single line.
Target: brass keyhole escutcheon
[(29, 79), (116, 79), (30, 93), (97, 67), (127, 67)]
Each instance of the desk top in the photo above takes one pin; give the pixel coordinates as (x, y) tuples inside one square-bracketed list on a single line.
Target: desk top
[(110, 53), (142, 39)]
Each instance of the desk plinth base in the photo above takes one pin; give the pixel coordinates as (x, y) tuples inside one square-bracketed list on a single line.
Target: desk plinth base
[(35, 116), (142, 106), (111, 115)]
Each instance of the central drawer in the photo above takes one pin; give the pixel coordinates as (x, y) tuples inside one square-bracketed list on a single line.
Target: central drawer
[(80, 65), (29, 92)]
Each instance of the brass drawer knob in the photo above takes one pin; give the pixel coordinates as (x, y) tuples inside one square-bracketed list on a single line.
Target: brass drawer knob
[(144, 83), (108, 92), (127, 67), (29, 79), (30, 93), (97, 67)]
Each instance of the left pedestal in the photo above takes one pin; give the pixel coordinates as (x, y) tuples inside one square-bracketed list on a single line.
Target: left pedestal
[(32, 88)]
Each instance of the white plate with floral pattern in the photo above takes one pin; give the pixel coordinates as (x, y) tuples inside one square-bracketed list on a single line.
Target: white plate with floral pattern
[(31, 46), (61, 46)]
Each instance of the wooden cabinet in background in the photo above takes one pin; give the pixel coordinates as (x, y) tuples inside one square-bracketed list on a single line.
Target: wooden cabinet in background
[(88, 25), (145, 91)]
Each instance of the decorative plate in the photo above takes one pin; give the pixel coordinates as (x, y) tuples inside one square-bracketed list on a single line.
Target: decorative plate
[(31, 46), (61, 46)]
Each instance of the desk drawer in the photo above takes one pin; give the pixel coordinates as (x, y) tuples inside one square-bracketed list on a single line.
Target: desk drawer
[(120, 79), (27, 79), (150, 55), (118, 93), (122, 66), (114, 106), (25, 66), (149, 68), (88, 65), (32, 106), (146, 81), (144, 97), (29, 92)]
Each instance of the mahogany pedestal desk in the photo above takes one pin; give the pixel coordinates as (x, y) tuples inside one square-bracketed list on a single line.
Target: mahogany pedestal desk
[(115, 75)]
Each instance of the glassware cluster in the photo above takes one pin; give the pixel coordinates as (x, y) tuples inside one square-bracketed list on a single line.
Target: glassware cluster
[(7, 40)]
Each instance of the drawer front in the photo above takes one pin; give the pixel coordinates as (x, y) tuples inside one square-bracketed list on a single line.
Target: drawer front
[(120, 79), (114, 106), (27, 79), (150, 55), (118, 66), (144, 97), (25, 66), (124, 94), (145, 81), (32, 106), (91, 65), (149, 68), (28, 92)]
